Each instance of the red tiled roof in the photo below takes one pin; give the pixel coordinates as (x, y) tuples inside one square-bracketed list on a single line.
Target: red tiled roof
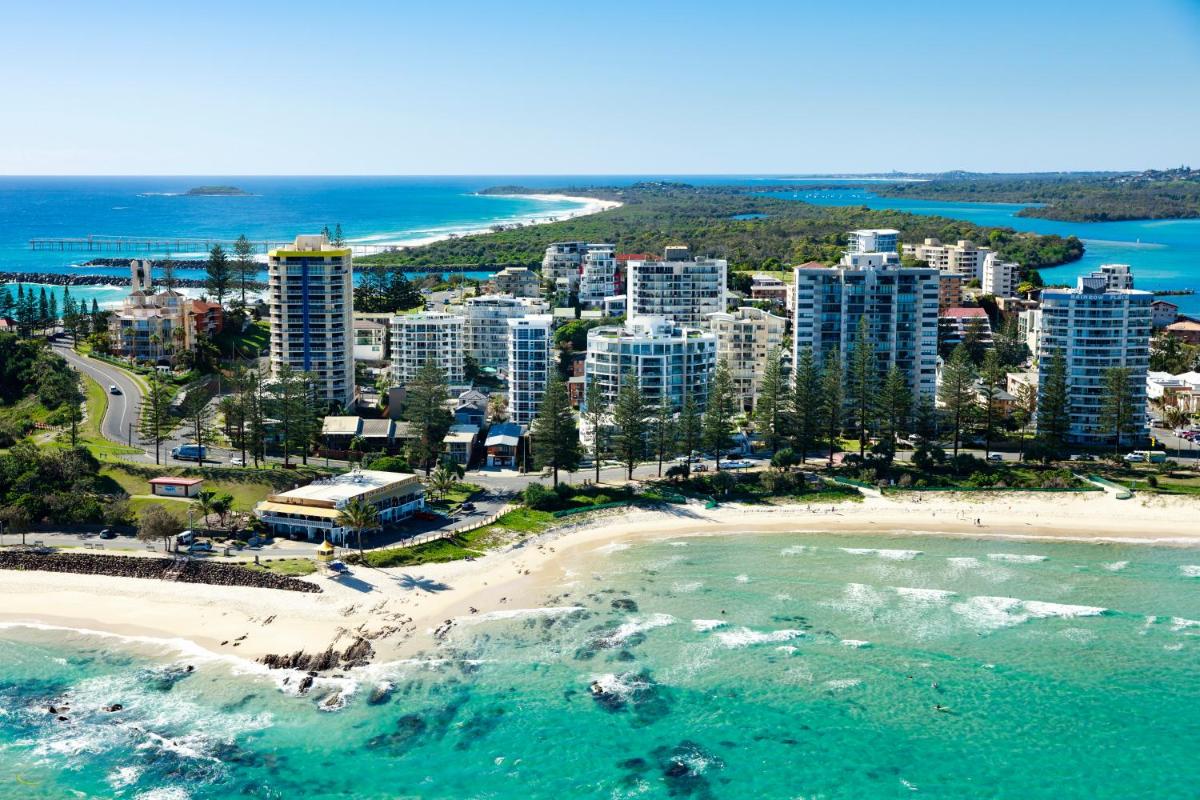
[(636, 257), (199, 306), (812, 265), (962, 311)]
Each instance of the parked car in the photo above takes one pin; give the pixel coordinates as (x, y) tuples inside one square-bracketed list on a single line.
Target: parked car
[(185, 538), (108, 533), (699, 468), (1083, 457), (738, 463), (1134, 458), (114, 389), (237, 461), (339, 567), (200, 547), (467, 506), (995, 457)]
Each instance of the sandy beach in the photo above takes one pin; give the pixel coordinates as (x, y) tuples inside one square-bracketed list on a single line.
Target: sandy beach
[(400, 610)]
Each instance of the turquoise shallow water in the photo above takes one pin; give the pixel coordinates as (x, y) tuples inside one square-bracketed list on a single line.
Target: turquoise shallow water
[(780, 666)]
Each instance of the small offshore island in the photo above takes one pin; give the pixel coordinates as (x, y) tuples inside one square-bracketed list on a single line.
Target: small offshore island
[(216, 191)]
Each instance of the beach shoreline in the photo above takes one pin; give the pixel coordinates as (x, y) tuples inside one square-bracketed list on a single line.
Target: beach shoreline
[(404, 612)]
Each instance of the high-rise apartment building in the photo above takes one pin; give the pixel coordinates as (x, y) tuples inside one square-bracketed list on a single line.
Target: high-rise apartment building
[(668, 359), (744, 340), (900, 305), (562, 264), (530, 347), (485, 327), (310, 301), (1093, 328), (598, 278), (428, 337), (999, 278), (679, 288), (1116, 276), (963, 257)]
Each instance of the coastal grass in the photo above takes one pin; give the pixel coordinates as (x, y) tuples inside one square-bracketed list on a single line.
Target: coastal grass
[(247, 486), (518, 523), (435, 552), (292, 567)]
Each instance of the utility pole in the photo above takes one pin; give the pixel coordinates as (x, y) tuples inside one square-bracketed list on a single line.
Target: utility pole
[(131, 434)]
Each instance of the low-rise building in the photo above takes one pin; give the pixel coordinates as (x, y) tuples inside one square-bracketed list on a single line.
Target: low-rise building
[(175, 486), (770, 289), (744, 340), (460, 443), (1184, 329), (471, 408), (312, 511), (207, 318), (1163, 313), (370, 341), (503, 445), (516, 281), (1181, 391), (956, 323)]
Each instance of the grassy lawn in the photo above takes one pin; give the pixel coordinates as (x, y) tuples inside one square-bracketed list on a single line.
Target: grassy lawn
[(293, 567), (248, 343), (436, 552), (247, 486), (1140, 477), (521, 521)]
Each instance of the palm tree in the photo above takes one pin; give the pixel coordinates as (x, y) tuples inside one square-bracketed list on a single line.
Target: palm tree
[(358, 514), (204, 503), (155, 341), (442, 480)]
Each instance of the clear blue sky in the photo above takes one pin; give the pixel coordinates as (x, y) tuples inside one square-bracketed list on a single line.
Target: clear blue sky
[(605, 86)]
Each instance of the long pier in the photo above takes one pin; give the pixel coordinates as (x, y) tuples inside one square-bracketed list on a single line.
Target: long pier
[(165, 245)]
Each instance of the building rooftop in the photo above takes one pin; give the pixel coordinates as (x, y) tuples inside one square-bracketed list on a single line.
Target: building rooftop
[(965, 312), (336, 491), (341, 426), (172, 480), (377, 428)]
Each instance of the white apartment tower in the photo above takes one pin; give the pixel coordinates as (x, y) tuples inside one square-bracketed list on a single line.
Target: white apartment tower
[(562, 264), (530, 347), (900, 305), (963, 257), (744, 340), (872, 240), (1094, 328), (1000, 278), (1116, 276), (598, 279), (669, 359), (428, 337), (678, 288), (310, 300), (485, 327)]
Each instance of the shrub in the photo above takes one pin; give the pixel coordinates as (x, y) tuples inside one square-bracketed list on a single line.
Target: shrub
[(537, 496), (1152, 481)]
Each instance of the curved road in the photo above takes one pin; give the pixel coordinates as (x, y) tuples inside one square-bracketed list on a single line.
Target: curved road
[(122, 408)]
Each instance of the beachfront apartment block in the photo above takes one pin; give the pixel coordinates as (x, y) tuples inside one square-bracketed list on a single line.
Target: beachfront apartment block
[(669, 359), (149, 325), (313, 511), (745, 340), (310, 303), (963, 257), (772, 290), (562, 263), (900, 305), (872, 240), (485, 326), (1116, 276), (598, 278), (679, 288), (950, 290), (530, 350), (1093, 328), (427, 337)]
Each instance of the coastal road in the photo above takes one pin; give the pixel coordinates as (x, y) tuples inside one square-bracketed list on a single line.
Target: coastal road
[(122, 413)]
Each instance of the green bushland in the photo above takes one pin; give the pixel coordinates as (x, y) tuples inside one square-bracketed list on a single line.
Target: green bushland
[(763, 486), (657, 214), (1100, 197)]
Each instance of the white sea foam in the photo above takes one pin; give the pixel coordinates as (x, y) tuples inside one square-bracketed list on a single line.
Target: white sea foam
[(890, 555), (924, 595), (124, 776), (742, 578), (678, 544), (991, 613), (622, 685), (1190, 570), (684, 587), (795, 550), (638, 625), (514, 613), (857, 644), (1173, 647), (787, 648), (612, 547), (1181, 624), (703, 625), (841, 684), (1115, 566), (964, 562), (1016, 558), (741, 637), (164, 793)]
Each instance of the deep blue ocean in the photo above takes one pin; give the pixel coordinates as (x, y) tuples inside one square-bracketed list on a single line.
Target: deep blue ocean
[(1165, 254)]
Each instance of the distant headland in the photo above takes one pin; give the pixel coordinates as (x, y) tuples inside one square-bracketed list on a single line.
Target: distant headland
[(220, 191)]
